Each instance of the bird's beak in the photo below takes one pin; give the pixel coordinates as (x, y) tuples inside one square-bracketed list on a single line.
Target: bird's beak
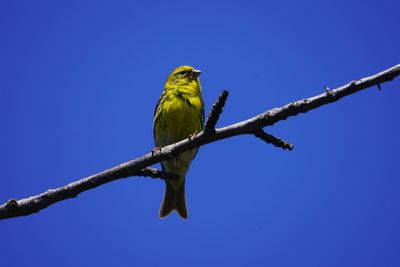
[(196, 73)]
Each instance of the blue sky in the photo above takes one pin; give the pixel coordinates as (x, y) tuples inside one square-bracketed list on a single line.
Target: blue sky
[(78, 84)]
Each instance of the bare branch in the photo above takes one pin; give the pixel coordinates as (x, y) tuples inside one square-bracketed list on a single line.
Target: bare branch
[(26, 206), (213, 116), (270, 139), (154, 173)]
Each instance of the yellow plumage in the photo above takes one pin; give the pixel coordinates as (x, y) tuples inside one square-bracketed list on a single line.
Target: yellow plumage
[(179, 113)]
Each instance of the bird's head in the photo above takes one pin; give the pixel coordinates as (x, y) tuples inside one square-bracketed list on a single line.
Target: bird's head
[(184, 76)]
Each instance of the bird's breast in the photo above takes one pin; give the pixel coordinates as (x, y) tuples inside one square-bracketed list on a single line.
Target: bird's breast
[(181, 117)]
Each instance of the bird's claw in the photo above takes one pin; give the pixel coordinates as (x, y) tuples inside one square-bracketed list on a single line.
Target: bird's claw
[(191, 136), (155, 150)]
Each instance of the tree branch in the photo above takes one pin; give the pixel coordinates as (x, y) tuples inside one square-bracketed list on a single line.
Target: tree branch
[(270, 139), (213, 116), (253, 126), (154, 173)]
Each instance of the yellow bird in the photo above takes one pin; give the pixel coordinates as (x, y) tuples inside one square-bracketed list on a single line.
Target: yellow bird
[(179, 113)]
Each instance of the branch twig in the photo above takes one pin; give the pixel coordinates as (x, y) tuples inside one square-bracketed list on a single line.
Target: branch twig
[(26, 206), (270, 139), (213, 116)]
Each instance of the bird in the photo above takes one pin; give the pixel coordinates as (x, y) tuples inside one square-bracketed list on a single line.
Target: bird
[(179, 114)]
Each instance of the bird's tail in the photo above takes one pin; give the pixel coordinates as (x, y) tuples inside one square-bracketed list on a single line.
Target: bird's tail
[(174, 199)]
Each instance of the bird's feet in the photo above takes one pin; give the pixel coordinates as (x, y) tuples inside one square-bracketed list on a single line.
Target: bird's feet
[(155, 150), (191, 136)]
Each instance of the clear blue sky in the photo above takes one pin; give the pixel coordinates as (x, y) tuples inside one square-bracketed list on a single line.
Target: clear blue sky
[(78, 84)]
